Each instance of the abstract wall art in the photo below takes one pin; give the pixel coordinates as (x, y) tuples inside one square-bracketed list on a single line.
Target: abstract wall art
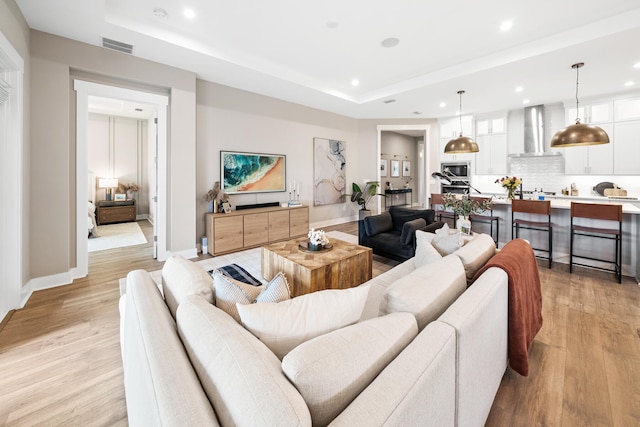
[(329, 165), (383, 167), (395, 168), (252, 172)]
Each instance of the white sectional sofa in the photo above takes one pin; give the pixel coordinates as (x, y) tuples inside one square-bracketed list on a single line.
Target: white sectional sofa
[(426, 351)]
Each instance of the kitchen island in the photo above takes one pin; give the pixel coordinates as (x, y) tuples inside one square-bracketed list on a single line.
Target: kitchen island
[(561, 219)]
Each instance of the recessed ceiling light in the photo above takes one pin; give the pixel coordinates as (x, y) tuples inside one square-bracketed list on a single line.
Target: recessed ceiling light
[(519, 88), (506, 25), (390, 42), (332, 24), (629, 83), (636, 65), (443, 104), (355, 82), (159, 13), (526, 101), (189, 13)]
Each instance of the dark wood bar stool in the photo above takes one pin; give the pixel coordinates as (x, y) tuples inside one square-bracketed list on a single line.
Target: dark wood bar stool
[(437, 204), (486, 219), (597, 211), (533, 207)]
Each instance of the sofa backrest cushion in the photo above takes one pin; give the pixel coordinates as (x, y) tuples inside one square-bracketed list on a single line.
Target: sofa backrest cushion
[(285, 325), (331, 370), (376, 224), (475, 253), (409, 229), (427, 291), (425, 252), (180, 278), (161, 386), (241, 377), (401, 215)]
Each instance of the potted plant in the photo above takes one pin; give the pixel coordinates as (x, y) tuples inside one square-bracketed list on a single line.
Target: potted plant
[(463, 205), (362, 196)]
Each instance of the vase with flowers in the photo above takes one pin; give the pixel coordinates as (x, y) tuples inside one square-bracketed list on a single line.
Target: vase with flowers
[(463, 205), (511, 184), (317, 240)]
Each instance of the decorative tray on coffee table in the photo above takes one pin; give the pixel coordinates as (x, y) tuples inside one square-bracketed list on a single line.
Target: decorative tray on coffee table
[(304, 246)]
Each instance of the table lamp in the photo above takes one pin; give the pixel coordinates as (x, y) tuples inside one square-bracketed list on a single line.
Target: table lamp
[(108, 183)]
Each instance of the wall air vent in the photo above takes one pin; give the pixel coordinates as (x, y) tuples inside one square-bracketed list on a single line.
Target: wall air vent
[(117, 46)]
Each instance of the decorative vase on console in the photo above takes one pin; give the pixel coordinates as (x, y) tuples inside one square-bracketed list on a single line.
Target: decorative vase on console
[(317, 240), (464, 224)]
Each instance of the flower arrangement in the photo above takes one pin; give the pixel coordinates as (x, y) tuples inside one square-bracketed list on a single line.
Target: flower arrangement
[(317, 239), (465, 205), (216, 195), (127, 189), (511, 183)]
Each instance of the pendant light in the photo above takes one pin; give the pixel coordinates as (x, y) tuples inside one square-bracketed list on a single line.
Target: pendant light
[(579, 134), (461, 144)]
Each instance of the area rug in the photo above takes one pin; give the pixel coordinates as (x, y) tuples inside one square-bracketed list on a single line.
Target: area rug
[(116, 236)]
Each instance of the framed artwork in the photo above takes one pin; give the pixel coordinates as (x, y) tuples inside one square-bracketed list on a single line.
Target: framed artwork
[(119, 196), (329, 166), (406, 168), (252, 172), (395, 168), (383, 167)]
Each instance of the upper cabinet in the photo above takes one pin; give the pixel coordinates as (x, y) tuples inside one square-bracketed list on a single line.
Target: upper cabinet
[(626, 137), (449, 129), (491, 136), (594, 113)]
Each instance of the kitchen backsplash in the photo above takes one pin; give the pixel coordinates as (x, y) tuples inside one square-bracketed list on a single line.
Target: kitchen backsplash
[(539, 172)]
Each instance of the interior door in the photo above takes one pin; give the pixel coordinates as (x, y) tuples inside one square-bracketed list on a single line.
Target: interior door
[(153, 187)]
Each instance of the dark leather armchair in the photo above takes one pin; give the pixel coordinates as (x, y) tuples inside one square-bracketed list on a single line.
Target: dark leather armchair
[(392, 234)]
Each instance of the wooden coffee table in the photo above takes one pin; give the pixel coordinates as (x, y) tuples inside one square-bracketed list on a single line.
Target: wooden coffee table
[(344, 266)]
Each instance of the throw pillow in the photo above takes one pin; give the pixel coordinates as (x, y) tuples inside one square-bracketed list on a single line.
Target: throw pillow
[(425, 252), (238, 273), (231, 292), (285, 325), (331, 370), (446, 241)]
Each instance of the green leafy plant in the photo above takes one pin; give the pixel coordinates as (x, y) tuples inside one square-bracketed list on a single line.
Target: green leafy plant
[(464, 205), (362, 196)]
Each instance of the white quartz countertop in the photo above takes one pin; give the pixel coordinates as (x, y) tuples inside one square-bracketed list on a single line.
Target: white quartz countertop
[(565, 203)]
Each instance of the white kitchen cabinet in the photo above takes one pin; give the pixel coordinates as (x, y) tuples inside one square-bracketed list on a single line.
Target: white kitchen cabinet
[(590, 160), (595, 113), (626, 148), (627, 109), (491, 136), (450, 129)]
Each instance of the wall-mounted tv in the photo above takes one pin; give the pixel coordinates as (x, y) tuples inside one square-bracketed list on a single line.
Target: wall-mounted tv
[(252, 172)]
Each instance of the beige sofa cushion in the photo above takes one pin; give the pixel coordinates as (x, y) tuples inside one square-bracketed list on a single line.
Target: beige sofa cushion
[(283, 326), (331, 370), (427, 291), (241, 377), (475, 253), (181, 277)]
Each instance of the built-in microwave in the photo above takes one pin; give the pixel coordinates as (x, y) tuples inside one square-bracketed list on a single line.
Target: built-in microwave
[(458, 174)]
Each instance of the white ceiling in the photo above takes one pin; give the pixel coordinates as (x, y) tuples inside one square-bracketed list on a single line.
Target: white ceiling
[(308, 52)]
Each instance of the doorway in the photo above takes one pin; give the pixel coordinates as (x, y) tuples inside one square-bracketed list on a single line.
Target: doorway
[(421, 170), (84, 91)]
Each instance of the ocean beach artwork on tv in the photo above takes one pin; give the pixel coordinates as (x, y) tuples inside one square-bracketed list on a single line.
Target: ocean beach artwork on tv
[(252, 172)]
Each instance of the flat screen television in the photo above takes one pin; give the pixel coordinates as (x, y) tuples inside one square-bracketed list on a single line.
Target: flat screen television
[(252, 172)]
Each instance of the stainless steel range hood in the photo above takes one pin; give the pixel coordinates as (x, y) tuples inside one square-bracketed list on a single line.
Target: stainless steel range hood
[(534, 138)]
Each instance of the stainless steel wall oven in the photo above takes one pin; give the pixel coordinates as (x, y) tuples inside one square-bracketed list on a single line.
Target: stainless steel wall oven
[(459, 174)]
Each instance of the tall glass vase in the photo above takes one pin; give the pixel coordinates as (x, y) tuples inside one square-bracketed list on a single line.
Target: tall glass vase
[(510, 193)]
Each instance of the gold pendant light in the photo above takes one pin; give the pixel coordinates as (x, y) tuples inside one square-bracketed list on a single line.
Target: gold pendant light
[(461, 144), (579, 134)]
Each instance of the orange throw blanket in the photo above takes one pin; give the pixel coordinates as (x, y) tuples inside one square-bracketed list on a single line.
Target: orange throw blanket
[(525, 299)]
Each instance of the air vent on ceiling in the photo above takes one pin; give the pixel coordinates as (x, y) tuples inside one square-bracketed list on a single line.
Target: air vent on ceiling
[(389, 101), (116, 45)]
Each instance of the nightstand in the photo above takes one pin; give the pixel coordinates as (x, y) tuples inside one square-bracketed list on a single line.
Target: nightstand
[(110, 211)]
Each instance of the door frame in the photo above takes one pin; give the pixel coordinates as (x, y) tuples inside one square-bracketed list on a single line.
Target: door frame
[(84, 89)]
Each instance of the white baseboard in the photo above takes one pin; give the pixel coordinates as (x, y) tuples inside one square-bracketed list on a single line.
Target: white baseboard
[(187, 253), (334, 221)]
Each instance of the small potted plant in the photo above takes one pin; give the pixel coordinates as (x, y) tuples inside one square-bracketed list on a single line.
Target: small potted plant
[(362, 196), (463, 205)]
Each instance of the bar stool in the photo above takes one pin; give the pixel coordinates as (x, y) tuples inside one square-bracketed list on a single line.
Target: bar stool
[(604, 212), (438, 200), (486, 219), (533, 207)]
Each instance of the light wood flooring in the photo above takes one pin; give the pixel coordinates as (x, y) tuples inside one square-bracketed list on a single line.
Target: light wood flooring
[(60, 356)]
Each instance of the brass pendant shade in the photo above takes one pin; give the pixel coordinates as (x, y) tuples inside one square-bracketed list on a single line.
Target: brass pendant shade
[(579, 134), (461, 144)]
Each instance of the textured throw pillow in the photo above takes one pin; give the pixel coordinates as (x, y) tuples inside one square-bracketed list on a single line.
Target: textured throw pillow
[(231, 292), (329, 374), (180, 278), (425, 252), (236, 272), (446, 241), (287, 324)]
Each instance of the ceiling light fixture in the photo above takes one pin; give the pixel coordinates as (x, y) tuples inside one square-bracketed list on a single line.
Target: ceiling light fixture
[(506, 25), (579, 134), (189, 13), (519, 88), (526, 101), (629, 83), (461, 144), (443, 104), (636, 65), (355, 82)]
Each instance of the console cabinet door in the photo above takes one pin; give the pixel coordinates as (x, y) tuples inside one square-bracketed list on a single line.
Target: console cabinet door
[(256, 229), (228, 234), (278, 225), (299, 222)]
